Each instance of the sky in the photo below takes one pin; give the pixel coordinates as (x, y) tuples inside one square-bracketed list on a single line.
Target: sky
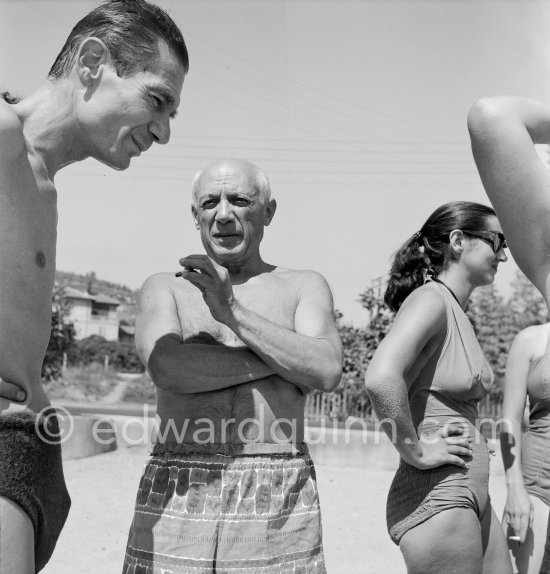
[(356, 110)]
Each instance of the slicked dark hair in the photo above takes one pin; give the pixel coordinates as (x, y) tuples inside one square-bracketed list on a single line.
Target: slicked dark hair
[(426, 251), (131, 30)]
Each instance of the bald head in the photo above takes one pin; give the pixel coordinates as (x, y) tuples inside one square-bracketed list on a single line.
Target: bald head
[(250, 174)]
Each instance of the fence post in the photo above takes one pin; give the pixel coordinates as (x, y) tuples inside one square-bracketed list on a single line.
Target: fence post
[(345, 405)]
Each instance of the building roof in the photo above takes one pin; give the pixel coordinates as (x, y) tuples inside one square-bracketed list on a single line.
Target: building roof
[(99, 298), (76, 294), (72, 293)]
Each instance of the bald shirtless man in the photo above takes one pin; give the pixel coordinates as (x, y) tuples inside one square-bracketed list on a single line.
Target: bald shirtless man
[(233, 345), (109, 95)]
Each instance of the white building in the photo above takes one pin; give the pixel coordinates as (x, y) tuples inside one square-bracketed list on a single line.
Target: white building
[(93, 314)]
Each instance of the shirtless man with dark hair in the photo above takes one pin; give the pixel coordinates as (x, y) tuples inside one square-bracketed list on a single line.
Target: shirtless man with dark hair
[(103, 99), (233, 345)]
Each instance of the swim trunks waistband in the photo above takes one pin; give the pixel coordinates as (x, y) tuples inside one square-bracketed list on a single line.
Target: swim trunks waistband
[(226, 449)]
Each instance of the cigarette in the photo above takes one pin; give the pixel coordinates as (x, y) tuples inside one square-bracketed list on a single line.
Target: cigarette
[(514, 538), (180, 274)]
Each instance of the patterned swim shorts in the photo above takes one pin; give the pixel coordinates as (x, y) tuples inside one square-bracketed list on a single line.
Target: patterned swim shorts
[(203, 513)]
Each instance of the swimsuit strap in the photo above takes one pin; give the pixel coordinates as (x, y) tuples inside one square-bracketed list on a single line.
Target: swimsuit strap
[(448, 289)]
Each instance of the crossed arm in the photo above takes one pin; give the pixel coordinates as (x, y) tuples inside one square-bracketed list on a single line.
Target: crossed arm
[(503, 131), (186, 367), (310, 356)]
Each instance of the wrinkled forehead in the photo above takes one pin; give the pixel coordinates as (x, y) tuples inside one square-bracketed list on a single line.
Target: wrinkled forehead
[(226, 178)]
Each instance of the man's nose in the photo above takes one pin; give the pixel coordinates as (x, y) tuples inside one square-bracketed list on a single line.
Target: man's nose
[(224, 213), (160, 129), (502, 255)]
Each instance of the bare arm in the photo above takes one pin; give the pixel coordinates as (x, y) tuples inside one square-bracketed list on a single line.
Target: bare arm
[(12, 145), (419, 328), (183, 367), (308, 356), (518, 511), (503, 131)]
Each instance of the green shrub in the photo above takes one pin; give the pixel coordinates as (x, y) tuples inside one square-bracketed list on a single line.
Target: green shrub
[(94, 349), (90, 383), (140, 390), (62, 338)]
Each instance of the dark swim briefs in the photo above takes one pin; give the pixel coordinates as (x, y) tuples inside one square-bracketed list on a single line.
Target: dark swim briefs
[(417, 495), (31, 475)]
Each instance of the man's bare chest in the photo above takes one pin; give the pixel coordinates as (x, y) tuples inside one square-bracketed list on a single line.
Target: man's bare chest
[(28, 204), (276, 303), (28, 232)]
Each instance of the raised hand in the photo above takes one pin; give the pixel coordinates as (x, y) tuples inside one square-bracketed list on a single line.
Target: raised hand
[(214, 283)]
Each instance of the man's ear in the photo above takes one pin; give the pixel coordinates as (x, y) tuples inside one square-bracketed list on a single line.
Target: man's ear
[(195, 216), (270, 211), (92, 54)]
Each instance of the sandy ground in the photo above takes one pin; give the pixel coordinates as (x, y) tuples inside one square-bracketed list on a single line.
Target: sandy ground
[(103, 489)]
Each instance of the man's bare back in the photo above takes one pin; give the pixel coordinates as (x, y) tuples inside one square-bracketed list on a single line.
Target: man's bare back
[(265, 402), (28, 221)]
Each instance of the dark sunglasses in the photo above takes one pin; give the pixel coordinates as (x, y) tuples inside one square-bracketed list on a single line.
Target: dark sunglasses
[(495, 239)]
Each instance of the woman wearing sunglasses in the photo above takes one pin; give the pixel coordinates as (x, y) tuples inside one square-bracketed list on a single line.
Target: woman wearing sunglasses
[(425, 381), (504, 131)]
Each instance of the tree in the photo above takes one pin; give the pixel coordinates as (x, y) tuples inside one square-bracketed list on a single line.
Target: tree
[(62, 337), (380, 318), (94, 349), (527, 303), (495, 328), (359, 345)]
